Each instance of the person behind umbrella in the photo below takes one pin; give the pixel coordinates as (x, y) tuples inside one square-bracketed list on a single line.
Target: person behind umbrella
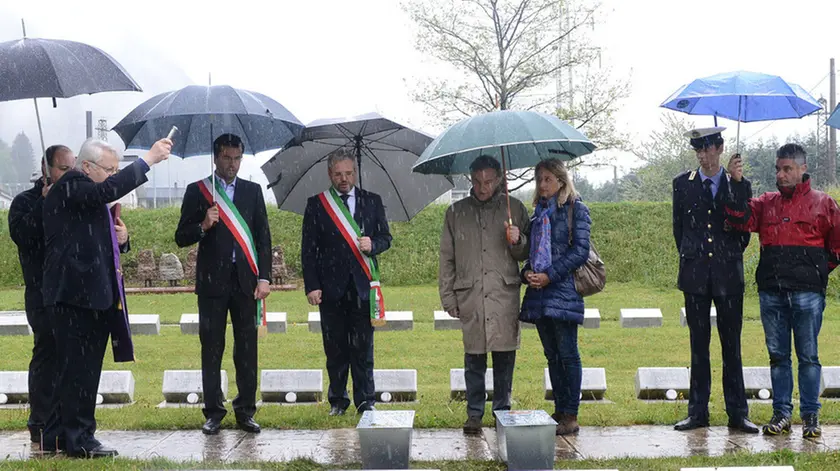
[(711, 270), (232, 273), (83, 286), (336, 281), (551, 300), (799, 231), (478, 281), (27, 231)]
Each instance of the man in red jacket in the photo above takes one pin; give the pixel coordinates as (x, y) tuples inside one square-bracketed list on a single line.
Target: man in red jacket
[(799, 231)]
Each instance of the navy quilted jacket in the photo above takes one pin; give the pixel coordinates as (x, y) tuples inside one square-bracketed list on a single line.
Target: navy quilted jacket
[(559, 299)]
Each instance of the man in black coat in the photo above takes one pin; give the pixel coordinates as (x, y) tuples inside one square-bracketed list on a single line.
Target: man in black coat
[(83, 286), (226, 278), (27, 231), (336, 282), (711, 269)]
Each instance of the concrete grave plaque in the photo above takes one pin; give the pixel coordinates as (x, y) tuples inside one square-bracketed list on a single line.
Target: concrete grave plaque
[(458, 384), (593, 385), (178, 385), (315, 322), (831, 381), (385, 439), (397, 320), (144, 324), (14, 385), (662, 383), (395, 385), (757, 384), (525, 438), (443, 321), (276, 322), (14, 324), (641, 318), (712, 317), (116, 387), (189, 324), (299, 385), (591, 319)]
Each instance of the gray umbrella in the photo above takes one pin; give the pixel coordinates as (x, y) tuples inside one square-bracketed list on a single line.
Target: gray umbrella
[(202, 113), (50, 68), (385, 152)]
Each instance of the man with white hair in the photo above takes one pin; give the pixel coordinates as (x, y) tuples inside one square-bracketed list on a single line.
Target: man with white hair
[(83, 286)]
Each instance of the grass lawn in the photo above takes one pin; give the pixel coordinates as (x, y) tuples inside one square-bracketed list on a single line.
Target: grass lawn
[(432, 353), (803, 461)]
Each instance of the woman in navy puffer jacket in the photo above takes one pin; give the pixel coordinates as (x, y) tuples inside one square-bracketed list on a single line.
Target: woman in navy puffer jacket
[(551, 301)]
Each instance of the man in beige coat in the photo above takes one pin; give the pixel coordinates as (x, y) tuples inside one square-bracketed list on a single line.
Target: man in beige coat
[(479, 283)]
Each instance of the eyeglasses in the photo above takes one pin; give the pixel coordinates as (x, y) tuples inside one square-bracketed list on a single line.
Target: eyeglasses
[(108, 170)]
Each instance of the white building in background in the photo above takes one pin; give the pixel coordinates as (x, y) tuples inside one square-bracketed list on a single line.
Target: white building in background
[(5, 200)]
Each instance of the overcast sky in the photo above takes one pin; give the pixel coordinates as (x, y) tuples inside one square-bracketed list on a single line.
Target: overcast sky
[(327, 58)]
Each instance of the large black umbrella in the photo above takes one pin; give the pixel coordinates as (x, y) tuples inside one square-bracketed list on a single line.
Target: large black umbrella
[(51, 68), (384, 150)]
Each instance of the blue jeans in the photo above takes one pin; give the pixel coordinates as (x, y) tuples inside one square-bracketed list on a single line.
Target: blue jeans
[(560, 345), (802, 313)]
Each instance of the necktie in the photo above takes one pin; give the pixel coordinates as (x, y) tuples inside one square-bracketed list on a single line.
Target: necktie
[(708, 189), (346, 199)]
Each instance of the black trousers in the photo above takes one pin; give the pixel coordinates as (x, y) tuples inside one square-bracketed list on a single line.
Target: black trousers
[(348, 345), (730, 314), (475, 367), (212, 324), (43, 372), (81, 336)]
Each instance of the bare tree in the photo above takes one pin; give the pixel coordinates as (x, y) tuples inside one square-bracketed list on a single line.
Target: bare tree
[(506, 54)]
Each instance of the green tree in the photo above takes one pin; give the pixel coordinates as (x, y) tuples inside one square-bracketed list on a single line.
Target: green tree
[(7, 172), (23, 158)]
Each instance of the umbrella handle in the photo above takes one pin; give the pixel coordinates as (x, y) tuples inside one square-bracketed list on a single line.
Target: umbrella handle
[(507, 196)]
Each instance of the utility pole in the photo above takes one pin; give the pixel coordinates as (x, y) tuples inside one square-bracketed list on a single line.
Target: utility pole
[(832, 133), (102, 130)]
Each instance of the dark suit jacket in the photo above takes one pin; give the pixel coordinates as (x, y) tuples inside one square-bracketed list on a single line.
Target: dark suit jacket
[(215, 247), (78, 256), (327, 260), (27, 231), (711, 251)]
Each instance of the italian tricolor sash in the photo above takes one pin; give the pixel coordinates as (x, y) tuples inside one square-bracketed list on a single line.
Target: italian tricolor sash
[(241, 233), (340, 215)]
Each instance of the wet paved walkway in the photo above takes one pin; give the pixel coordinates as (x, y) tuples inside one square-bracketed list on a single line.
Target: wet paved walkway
[(341, 446)]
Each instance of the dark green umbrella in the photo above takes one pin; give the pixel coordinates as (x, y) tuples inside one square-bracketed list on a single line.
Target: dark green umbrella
[(519, 139)]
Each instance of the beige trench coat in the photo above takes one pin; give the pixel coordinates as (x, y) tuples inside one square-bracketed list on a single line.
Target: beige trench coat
[(479, 272)]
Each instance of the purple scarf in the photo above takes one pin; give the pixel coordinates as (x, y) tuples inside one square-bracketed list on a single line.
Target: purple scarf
[(120, 330), (540, 256)]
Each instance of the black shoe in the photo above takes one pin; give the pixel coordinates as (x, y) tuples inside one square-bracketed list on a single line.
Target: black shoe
[(99, 451), (743, 425), (247, 424), (211, 427), (691, 423), (335, 410), (778, 425), (811, 426), (363, 407), (472, 426)]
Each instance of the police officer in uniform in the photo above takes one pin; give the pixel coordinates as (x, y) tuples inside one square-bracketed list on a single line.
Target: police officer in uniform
[(711, 269)]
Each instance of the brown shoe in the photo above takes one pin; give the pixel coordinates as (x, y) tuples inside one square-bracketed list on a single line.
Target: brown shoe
[(567, 424), (472, 426)]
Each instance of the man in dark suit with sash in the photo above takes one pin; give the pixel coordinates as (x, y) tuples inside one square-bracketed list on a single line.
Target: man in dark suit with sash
[(83, 286), (711, 270), (226, 216), (344, 228)]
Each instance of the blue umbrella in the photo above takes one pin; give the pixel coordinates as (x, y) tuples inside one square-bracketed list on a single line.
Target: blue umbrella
[(743, 97), (834, 119)]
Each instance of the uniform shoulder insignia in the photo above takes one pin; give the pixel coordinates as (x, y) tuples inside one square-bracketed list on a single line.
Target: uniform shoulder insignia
[(692, 175)]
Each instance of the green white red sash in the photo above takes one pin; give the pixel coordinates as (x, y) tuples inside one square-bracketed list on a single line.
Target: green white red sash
[(340, 215), (241, 233)]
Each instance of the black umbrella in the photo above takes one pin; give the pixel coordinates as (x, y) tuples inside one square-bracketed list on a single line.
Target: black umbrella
[(51, 68), (203, 113)]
